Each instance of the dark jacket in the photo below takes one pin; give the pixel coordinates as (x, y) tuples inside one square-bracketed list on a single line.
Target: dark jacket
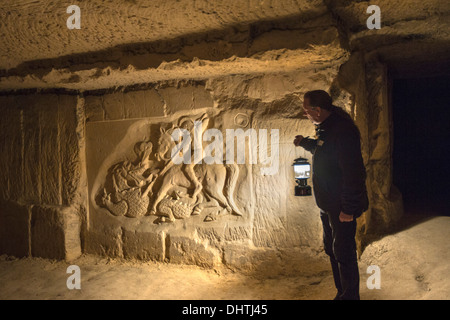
[(338, 169)]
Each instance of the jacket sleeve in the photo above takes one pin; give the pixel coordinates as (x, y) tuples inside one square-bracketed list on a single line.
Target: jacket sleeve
[(354, 199), (308, 144)]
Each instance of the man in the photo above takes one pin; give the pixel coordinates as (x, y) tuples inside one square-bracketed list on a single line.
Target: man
[(339, 186)]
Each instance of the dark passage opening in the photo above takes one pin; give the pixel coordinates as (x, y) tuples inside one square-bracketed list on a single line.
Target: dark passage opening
[(421, 155)]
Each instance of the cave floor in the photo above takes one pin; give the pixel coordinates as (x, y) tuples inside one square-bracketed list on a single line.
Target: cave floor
[(414, 264), (103, 278)]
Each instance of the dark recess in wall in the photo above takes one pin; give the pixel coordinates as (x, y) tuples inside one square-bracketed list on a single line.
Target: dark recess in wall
[(421, 155)]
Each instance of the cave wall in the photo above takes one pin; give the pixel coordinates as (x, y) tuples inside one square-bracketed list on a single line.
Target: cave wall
[(272, 217), (64, 146), (365, 79), (69, 116), (41, 167), (65, 141)]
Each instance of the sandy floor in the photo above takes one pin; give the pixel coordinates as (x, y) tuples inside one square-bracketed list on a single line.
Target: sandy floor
[(34, 278), (414, 264)]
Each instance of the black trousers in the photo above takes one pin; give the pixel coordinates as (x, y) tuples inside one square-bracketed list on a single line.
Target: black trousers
[(340, 246)]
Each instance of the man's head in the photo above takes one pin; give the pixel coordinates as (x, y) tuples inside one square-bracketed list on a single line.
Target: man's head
[(317, 105)]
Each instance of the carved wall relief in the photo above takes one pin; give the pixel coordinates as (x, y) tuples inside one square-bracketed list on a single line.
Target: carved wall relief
[(150, 184), (128, 184)]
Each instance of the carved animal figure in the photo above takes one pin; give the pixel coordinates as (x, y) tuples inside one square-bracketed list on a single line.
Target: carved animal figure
[(177, 208), (132, 203), (217, 181), (130, 193)]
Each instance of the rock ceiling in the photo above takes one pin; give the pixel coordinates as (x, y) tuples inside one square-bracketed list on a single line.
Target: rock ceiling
[(127, 41)]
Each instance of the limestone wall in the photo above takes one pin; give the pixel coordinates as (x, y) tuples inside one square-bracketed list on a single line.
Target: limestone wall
[(41, 167), (83, 126), (366, 80), (272, 217), (61, 152)]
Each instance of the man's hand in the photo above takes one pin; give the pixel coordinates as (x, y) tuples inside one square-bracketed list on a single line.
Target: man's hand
[(297, 140), (343, 217)]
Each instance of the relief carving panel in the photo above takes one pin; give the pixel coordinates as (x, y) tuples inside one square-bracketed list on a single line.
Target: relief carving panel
[(132, 175)]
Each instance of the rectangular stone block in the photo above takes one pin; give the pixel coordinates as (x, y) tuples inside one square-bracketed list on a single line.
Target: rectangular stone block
[(11, 180), (104, 241), (143, 245), (69, 151), (186, 250), (143, 104), (186, 98), (202, 98), (94, 108), (50, 150), (72, 233), (14, 229), (55, 232), (47, 233), (5, 104), (31, 152), (113, 106)]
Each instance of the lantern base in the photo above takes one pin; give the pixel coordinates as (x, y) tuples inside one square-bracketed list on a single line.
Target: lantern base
[(302, 190)]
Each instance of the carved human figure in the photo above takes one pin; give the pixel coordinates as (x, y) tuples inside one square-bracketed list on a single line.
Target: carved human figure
[(217, 181)]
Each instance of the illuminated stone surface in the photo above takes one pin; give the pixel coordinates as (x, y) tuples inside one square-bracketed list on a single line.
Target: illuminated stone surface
[(80, 109)]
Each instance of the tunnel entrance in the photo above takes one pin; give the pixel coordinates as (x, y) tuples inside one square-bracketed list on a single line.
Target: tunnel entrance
[(421, 153)]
